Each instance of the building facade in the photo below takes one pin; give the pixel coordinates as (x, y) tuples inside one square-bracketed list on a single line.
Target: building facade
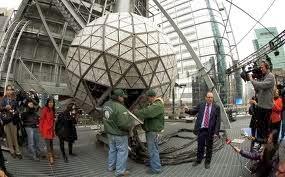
[(263, 36), (203, 22), (36, 40)]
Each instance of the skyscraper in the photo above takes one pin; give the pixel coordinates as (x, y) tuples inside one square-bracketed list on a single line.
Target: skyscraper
[(203, 23), (263, 36)]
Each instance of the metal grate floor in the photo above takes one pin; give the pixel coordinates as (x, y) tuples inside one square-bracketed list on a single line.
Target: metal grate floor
[(91, 160)]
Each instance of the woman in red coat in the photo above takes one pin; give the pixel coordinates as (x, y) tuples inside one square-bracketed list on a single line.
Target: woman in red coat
[(276, 112), (46, 126)]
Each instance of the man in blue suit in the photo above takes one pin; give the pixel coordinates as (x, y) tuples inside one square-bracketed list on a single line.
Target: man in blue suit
[(206, 127)]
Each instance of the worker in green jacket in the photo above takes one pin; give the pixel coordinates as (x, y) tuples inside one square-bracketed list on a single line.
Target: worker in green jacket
[(117, 123), (153, 117)]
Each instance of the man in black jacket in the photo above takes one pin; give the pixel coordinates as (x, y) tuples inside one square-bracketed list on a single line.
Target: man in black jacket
[(207, 126), (30, 122)]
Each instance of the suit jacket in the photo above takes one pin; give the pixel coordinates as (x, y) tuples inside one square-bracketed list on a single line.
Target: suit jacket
[(215, 117)]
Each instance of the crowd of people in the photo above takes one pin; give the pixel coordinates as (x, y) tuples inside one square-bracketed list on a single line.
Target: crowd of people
[(24, 122), (267, 110)]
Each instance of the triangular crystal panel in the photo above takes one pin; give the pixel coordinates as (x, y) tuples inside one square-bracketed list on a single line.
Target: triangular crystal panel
[(115, 67), (153, 64), (132, 72), (140, 28), (114, 36), (139, 84), (139, 56), (128, 42), (104, 80), (97, 73), (154, 82), (90, 76), (114, 50), (123, 84), (123, 35), (100, 63), (124, 49), (115, 77), (139, 43), (141, 67), (160, 67), (124, 65), (109, 43), (93, 56), (83, 68), (82, 53), (131, 80), (110, 60), (147, 78)]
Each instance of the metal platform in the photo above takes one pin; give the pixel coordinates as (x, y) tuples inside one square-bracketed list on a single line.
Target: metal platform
[(92, 157)]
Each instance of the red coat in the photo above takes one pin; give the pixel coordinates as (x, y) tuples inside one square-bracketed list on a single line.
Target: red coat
[(276, 110), (46, 125)]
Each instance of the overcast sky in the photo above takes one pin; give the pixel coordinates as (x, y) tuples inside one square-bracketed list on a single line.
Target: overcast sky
[(241, 23)]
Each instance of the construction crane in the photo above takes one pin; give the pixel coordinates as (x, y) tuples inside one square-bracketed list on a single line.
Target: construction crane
[(271, 46)]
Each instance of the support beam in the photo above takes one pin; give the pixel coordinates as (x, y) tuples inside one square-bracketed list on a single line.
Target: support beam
[(56, 67), (104, 8), (90, 11), (200, 66), (49, 33), (5, 34), (32, 76), (73, 13), (7, 48), (13, 54)]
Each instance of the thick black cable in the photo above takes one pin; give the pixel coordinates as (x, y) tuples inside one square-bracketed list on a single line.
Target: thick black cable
[(173, 155)]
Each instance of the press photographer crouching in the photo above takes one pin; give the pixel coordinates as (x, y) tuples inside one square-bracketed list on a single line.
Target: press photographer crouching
[(264, 91)]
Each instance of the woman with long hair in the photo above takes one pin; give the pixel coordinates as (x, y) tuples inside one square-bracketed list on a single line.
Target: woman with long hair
[(66, 130), (265, 158), (275, 119), (46, 127)]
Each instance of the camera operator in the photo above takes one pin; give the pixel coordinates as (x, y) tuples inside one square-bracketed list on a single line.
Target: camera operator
[(33, 95), (264, 91)]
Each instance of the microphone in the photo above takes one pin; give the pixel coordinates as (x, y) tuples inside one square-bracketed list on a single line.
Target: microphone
[(229, 142)]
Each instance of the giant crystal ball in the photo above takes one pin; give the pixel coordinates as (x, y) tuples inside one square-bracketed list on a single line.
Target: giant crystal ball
[(121, 50)]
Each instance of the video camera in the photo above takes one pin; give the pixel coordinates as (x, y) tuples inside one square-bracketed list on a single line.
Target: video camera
[(254, 69)]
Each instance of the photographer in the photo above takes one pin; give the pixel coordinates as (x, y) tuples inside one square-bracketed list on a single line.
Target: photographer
[(11, 118), (30, 120), (32, 94), (264, 91)]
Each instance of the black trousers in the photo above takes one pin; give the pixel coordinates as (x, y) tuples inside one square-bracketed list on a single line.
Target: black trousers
[(205, 139), (275, 126), (263, 121), (61, 143), (2, 161), (49, 144)]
